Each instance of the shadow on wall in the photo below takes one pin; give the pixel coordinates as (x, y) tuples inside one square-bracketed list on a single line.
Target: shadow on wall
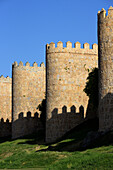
[(91, 90), (92, 111), (26, 125), (5, 128), (60, 123), (106, 113), (87, 133)]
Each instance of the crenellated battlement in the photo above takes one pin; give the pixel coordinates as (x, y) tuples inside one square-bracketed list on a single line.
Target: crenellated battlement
[(2, 120), (63, 121), (28, 86), (5, 79), (27, 65), (28, 115), (77, 48), (103, 15), (71, 109)]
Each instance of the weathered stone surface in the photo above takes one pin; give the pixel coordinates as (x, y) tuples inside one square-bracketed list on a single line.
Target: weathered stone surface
[(5, 98), (67, 71), (26, 125), (105, 40), (5, 128), (28, 84)]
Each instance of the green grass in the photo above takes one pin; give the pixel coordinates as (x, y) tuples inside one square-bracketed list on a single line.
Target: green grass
[(32, 152)]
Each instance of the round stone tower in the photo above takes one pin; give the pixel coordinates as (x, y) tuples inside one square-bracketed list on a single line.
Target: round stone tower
[(28, 91), (67, 71), (28, 88), (105, 42)]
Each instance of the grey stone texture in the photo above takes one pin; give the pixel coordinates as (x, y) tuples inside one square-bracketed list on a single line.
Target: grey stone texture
[(105, 41)]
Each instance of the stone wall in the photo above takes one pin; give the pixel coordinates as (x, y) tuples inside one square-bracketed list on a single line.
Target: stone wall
[(67, 70), (62, 122), (5, 98), (105, 40), (26, 125), (5, 128), (28, 84)]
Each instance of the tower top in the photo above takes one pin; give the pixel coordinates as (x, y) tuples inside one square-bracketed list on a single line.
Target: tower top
[(102, 13), (51, 48)]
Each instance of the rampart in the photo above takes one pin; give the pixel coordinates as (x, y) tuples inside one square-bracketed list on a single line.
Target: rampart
[(66, 73), (105, 40), (28, 91), (27, 124), (5, 98), (62, 122), (5, 128)]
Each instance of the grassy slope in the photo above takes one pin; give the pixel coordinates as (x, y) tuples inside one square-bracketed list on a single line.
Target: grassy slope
[(33, 153)]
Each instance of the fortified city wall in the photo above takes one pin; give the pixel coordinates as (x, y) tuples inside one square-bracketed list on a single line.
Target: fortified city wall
[(66, 74), (28, 91), (105, 41)]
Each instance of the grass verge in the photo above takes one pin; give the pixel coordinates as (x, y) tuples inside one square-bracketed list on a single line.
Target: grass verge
[(32, 152)]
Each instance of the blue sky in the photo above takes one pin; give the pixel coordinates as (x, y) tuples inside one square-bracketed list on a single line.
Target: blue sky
[(26, 26)]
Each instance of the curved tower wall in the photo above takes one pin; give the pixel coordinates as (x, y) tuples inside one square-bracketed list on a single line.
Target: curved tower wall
[(6, 98), (105, 41), (67, 71), (28, 84), (28, 88)]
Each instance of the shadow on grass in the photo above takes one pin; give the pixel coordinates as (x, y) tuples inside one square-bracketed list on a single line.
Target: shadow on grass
[(85, 136), (82, 137), (71, 141), (35, 138)]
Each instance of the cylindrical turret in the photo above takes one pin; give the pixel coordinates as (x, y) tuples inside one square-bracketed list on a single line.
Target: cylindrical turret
[(28, 88), (105, 41), (28, 91), (5, 98), (67, 71)]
